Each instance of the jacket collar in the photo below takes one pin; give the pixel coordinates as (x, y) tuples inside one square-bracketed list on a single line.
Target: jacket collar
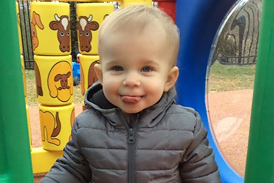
[(149, 117)]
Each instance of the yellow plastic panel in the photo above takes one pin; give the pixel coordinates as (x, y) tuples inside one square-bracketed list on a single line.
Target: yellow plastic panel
[(89, 17), (54, 82), (19, 29), (126, 3), (50, 28), (42, 160), (56, 123), (88, 75)]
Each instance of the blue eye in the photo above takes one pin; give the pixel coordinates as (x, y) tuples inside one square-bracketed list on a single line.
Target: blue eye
[(146, 69), (117, 68)]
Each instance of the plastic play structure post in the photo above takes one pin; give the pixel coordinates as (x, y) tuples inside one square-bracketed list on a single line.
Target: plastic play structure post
[(260, 156), (15, 159)]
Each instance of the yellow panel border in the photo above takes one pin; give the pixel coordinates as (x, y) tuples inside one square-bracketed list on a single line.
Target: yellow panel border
[(42, 160)]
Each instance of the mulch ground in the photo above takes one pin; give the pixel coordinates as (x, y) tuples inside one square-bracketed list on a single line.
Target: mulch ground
[(230, 118)]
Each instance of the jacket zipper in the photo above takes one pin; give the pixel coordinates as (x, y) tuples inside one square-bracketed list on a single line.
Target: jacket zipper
[(131, 155), (131, 148)]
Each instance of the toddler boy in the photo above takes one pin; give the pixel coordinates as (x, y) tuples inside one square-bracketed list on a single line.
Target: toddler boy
[(133, 131)]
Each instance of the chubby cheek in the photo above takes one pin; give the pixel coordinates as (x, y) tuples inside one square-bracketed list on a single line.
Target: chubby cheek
[(110, 88), (155, 90)]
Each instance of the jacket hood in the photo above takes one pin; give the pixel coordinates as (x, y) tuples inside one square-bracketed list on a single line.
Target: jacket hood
[(149, 117)]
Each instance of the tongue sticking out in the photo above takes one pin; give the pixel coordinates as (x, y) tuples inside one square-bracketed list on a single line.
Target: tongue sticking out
[(130, 99)]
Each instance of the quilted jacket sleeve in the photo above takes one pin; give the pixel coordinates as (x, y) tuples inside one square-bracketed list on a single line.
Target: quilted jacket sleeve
[(72, 167), (199, 164)]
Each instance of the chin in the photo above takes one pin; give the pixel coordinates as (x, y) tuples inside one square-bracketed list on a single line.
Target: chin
[(134, 111), (131, 112)]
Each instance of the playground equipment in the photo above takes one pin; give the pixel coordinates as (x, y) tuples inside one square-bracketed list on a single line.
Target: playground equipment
[(197, 32), (90, 17), (198, 21), (259, 166), (50, 28), (15, 160)]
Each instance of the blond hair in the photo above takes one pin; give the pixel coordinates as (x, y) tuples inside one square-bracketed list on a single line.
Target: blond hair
[(136, 18)]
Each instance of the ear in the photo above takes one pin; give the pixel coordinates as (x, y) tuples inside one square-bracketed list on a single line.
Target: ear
[(53, 25), (57, 77), (171, 78), (98, 71)]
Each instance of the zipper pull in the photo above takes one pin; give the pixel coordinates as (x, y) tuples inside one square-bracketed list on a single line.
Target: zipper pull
[(131, 138)]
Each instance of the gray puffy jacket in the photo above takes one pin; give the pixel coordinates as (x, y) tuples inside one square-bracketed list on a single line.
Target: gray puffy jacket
[(165, 143)]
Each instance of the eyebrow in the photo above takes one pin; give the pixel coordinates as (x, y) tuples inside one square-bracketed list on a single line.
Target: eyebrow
[(112, 62), (144, 62), (149, 62)]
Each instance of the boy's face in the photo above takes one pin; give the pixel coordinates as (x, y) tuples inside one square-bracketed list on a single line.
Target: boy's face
[(134, 69)]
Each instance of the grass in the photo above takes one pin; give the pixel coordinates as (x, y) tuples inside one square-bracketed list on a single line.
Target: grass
[(231, 77), (31, 89), (221, 78)]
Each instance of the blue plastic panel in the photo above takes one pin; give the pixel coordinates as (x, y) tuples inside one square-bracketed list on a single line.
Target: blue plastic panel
[(198, 22)]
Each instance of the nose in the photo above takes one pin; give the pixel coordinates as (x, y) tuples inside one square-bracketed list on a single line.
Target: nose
[(132, 80)]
